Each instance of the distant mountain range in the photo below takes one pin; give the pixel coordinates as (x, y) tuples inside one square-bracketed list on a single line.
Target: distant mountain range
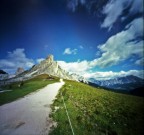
[(126, 83)]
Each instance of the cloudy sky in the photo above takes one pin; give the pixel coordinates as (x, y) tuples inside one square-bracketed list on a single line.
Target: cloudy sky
[(94, 38)]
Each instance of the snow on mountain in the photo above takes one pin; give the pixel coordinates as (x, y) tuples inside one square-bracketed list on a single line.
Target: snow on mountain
[(123, 83), (79, 78)]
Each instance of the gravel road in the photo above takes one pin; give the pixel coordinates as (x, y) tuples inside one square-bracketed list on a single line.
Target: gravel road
[(29, 115)]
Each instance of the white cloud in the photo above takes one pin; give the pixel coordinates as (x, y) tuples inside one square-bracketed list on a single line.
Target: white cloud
[(111, 75), (83, 68), (98, 53), (122, 45), (72, 4), (78, 67), (81, 47), (140, 62), (75, 67), (82, 2), (15, 59), (137, 6), (114, 9), (70, 51), (39, 60)]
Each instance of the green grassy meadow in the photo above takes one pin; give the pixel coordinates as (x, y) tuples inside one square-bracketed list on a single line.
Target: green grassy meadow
[(25, 88), (94, 111)]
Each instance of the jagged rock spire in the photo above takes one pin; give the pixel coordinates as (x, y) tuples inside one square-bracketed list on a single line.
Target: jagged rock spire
[(19, 70), (50, 58)]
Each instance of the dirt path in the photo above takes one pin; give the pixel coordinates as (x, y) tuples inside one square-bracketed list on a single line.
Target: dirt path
[(29, 115)]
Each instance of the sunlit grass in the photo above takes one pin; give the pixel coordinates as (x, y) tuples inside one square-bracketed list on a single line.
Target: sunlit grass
[(95, 111)]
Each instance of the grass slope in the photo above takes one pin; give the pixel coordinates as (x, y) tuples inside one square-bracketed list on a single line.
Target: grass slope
[(94, 111), (25, 88)]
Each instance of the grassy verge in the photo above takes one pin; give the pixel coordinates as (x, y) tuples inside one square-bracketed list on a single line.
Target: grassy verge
[(25, 88), (96, 111)]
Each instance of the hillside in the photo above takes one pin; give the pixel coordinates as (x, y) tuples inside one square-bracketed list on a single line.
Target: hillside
[(91, 110), (17, 90), (94, 111)]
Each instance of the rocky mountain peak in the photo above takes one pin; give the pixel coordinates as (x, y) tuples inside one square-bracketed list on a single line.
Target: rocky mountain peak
[(50, 67), (47, 66), (3, 75), (2, 72), (19, 70), (50, 58)]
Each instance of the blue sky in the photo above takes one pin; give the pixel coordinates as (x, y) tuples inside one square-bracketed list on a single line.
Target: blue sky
[(90, 37)]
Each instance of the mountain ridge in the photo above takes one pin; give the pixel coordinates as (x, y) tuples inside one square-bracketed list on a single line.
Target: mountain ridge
[(3, 75), (47, 66), (121, 83)]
